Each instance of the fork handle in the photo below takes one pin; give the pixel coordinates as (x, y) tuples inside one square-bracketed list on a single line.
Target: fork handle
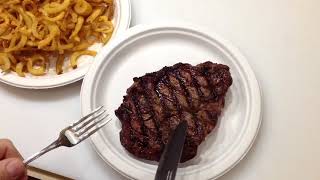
[(52, 146)]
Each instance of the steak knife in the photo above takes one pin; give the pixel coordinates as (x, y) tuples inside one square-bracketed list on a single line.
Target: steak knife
[(172, 153)]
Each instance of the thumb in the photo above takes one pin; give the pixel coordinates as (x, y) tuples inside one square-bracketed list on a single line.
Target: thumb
[(12, 169)]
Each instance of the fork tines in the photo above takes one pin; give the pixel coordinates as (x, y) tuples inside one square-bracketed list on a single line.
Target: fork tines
[(91, 123)]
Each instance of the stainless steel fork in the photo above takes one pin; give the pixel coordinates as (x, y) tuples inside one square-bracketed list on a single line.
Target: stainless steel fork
[(77, 132)]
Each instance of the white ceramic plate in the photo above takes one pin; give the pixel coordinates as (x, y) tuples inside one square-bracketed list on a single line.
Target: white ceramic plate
[(146, 49), (121, 22)]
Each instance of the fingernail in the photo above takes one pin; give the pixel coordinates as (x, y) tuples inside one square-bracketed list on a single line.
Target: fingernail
[(15, 169)]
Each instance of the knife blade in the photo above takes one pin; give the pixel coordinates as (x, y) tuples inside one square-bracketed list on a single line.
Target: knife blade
[(172, 153)]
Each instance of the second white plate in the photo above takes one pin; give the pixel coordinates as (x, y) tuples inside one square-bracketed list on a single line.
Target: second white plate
[(145, 49)]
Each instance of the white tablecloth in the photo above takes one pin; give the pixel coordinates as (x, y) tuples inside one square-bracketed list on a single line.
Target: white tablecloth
[(281, 40)]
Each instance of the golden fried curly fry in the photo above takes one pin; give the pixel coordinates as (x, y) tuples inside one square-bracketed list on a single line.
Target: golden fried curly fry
[(97, 12), (103, 25), (55, 18), (19, 69), (59, 64), (63, 47), (78, 27), (54, 7), (37, 71), (82, 8), (82, 46), (75, 55)]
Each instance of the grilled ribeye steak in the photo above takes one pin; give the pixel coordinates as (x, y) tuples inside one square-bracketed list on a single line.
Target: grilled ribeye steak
[(158, 101)]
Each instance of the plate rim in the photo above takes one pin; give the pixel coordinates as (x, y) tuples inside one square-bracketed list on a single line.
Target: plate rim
[(86, 103), (47, 83)]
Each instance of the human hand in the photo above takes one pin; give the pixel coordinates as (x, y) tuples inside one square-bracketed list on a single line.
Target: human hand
[(11, 165)]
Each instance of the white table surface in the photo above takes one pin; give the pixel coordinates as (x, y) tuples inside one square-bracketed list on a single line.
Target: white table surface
[(281, 40)]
